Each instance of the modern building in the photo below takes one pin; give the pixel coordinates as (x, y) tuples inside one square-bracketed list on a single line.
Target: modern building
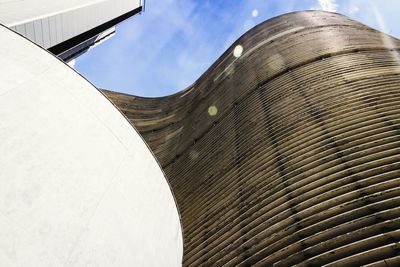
[(287, 153), (78, 185), (66, 28)]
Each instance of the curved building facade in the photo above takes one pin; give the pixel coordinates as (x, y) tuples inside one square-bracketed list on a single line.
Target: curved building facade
[(78, 185), (287, 151)]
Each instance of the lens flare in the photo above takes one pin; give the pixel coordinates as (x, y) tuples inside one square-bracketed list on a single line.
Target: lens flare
[(237, 52)]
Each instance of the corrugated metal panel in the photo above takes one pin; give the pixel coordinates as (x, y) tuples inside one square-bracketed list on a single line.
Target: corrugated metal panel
[(46, 32), (38, 32), (76, 17), (30, 31), (53, 30)]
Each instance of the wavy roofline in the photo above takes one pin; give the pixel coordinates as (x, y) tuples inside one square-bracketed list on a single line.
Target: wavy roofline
[(217, 61)]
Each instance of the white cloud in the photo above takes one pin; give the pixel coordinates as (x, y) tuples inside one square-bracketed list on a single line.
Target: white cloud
[(353, 9), (71, 63), (328, 5)]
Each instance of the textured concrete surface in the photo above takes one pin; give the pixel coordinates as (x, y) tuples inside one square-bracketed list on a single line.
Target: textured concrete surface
[(286, 151), (78, 185)]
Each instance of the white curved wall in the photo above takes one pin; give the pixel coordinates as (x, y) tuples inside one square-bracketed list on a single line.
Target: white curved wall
[(78, 186)]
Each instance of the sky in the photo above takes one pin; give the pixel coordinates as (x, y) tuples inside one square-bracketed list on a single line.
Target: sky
[(167, 47)]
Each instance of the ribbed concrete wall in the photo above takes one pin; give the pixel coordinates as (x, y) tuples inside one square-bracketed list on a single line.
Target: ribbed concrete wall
[(300, 163)]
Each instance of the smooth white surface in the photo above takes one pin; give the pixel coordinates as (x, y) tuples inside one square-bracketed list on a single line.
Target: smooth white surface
[(78, 186), (50, 22)]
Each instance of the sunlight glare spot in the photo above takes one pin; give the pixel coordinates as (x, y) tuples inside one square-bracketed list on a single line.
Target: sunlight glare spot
[(237, 52), (276, 62), (193, 154), (387, 40), (212, 110), (254, 13)]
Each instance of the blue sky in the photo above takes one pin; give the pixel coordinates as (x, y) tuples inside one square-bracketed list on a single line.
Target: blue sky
[(166, 48)]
